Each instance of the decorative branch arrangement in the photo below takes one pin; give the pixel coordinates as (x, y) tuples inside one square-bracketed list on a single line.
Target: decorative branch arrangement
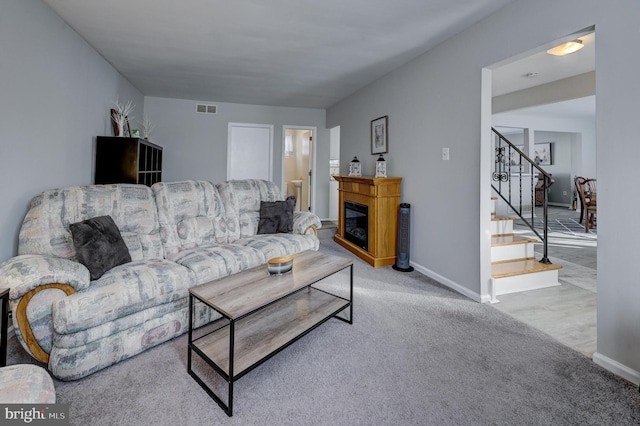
[(147, 127), (120, 118)]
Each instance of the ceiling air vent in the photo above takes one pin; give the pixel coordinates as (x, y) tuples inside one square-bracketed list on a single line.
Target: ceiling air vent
[(207, 109)]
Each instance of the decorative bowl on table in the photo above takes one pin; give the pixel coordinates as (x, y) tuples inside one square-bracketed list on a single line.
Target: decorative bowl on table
[(280, 265)]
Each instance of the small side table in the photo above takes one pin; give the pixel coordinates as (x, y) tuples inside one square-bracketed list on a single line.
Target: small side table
[(4, 297)]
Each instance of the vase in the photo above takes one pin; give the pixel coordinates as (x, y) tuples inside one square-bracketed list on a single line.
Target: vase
[(121, 124)]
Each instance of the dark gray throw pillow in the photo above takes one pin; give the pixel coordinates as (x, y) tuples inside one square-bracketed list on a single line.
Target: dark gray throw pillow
[(276, 216), (99, 245)]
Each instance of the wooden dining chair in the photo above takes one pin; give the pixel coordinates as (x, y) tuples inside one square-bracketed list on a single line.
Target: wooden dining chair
[(588, 193), (579, 181)]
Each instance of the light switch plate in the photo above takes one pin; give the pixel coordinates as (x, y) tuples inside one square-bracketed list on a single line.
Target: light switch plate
[(445, 154)]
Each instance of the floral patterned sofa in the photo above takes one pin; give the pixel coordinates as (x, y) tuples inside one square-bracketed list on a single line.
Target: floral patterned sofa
[(26, 384), (179, 234)]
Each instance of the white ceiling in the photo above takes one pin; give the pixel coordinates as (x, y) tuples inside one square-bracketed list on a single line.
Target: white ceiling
[(304, 53), (513, 76), (548, 68)]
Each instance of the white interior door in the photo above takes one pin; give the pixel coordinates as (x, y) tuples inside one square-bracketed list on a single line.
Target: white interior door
[(250, 151)]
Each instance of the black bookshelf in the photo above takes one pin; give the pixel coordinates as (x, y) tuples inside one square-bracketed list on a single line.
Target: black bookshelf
[(127, 160)]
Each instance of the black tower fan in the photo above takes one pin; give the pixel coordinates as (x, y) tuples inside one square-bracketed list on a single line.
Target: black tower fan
[(404, 221)]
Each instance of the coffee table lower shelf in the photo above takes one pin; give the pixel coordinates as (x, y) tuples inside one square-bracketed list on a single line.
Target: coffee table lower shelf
[(235, 347)]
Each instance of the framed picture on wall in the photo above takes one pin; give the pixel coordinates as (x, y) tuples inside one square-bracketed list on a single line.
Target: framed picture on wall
[(380, 135), (542, 154), (514, 156)]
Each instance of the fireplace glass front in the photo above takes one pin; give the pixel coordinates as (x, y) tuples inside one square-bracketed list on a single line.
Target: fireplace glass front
[(356, 224)]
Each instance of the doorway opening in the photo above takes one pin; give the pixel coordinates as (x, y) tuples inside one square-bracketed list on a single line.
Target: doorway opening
[(545, 113), (334, 170), (298, 159)]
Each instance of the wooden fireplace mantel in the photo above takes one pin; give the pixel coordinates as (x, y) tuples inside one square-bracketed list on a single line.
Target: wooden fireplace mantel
[(382, 197)]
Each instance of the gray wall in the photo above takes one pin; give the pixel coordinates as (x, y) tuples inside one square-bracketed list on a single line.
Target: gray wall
[(195, 145), (584, 152), (575, 87), (438, 100), (560, 193), (563, 145), (56, 92)]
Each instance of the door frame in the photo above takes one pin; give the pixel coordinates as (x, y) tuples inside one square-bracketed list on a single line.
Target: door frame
[(264, 126), (314, 142)]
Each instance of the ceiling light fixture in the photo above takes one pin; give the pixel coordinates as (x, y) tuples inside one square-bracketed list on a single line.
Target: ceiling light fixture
[(566, 48)]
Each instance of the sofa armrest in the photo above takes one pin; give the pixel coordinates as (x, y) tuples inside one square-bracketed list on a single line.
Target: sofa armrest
[(27, 275), (27, 272), (305, 221), (21, 320)]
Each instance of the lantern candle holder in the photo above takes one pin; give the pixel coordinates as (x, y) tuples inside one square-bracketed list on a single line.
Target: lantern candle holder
[(381, 167), (355, 167)]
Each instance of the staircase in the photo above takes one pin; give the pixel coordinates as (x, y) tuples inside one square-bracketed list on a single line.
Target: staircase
[(514, 267)]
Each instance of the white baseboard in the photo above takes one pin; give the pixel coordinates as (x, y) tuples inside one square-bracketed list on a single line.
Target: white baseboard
[(616, 368), (448, 283), (486, 298), (328, 220), (605, 362)]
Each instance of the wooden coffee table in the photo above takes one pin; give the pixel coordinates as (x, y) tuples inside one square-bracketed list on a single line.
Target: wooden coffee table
[(262, 314)]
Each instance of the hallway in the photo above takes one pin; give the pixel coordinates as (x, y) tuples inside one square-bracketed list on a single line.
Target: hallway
[(566, 312)]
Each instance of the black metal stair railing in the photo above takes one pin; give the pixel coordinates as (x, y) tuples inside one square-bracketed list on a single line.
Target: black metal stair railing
[(512, 164)]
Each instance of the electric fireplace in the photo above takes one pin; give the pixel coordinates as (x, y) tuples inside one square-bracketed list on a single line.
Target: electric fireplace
[(356, 224), (368, 217)]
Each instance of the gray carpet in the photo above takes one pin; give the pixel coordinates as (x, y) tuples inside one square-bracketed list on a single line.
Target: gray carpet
[(417, 354)]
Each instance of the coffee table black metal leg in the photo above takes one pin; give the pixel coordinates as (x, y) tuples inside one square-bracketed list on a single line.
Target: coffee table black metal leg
[(232, 340), (348, 320), (228, 406), (190, 333), (5, 320), (351, 294)]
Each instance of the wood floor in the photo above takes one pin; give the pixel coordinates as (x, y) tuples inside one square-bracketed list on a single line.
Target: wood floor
[(566, 312)]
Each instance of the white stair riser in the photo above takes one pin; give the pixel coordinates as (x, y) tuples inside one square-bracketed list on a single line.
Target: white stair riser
[(499, 227), (512, 251), (525, 282), (493, 206)]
